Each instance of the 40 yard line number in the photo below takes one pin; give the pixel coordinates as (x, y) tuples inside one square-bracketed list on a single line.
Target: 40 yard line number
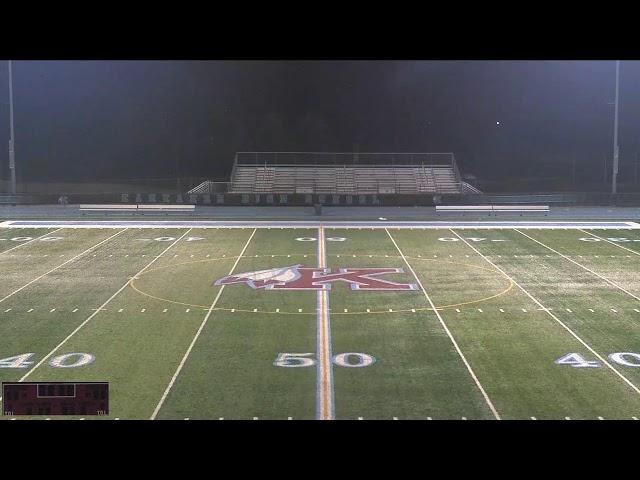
[(67, 360), (576, 360)]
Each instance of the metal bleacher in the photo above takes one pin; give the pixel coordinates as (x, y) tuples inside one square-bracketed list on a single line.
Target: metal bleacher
[(344, 173)]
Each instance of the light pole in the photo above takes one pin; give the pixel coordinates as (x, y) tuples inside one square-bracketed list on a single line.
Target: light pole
[(614, 180), (12, 152)]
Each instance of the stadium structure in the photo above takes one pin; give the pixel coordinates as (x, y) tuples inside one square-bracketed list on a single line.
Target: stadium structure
[(319, 285)]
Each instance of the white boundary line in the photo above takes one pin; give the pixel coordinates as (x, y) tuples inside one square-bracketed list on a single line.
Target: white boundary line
[(542, 307), (609, 241), (427, 224), (324, 384), (444, 326), (32, 240), (99, 309), (195, 338), (580, 265), (61, 265)]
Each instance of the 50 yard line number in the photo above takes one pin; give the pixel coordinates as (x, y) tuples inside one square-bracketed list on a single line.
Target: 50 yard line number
[(349, 360)]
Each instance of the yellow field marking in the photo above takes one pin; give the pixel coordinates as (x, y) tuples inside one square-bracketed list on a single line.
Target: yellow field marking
[(132, 284)]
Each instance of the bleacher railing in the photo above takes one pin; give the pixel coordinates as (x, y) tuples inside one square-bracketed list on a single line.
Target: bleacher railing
[(353, 159)]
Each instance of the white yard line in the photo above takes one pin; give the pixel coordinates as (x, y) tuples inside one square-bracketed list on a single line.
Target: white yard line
[(446, 329), (560, 322), (30, 241), (195, 338), (609, 241), (324, 382), (61, 265), (88, 319), (580, 265)]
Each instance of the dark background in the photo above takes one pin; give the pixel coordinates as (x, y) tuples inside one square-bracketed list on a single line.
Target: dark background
[(101, 120)]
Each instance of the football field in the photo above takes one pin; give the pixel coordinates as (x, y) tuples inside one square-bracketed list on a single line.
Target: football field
[(345, 321)]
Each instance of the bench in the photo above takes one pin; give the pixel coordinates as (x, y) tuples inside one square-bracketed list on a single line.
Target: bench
[(8, 199), (139, 209), (493, 209)]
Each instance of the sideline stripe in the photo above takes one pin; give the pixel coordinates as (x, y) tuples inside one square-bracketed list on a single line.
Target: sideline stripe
[(77, 329), (444, 326), (195, 338), (580, 265), (32, 240), (609, 241), (560, 322), (324, 383), (62, 265)]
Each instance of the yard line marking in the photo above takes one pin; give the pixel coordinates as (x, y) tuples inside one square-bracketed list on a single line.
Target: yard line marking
[(324, 381), (88, 319), (61, 265), (30, 310), (7, 310), (30, 241), (592, 310), (609, 241), (202, 325), (560, 322), (52, 310), (636, 310), (444, 326), (569, 310), (614, 310), (582, 266)]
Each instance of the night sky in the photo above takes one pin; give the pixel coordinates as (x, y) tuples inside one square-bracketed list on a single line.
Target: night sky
[(88, 120)]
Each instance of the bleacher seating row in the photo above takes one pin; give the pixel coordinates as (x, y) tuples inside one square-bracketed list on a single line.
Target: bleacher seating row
[(345, 179)]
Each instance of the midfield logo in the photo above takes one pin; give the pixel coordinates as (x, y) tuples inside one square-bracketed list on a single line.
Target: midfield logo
[(297, 277)]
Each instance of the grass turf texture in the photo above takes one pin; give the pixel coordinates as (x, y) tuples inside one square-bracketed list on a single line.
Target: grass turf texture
[(510, 299)]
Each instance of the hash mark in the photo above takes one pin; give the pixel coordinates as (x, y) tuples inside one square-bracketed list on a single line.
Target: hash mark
[(569, 310), (255, 418), (7, 310), (187, 310), (74, 310), (413, 310), (346, 310), (591, 310), (52, 310), (480, 310), (395, 418), (464, 418), (635, 418), (121, 310), (600, 418), (360, 418), (524, 310), (614, 310), (255, 310), (501, 310), (533, 418), (143, 310), (428, 418), (233, 310), (299, 310), (458, 310), (30, 310), (164, 311), (368, 310), (277, 310), (636, 310), (567, 418)]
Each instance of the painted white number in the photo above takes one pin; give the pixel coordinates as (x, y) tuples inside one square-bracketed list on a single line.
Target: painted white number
[(353, 360), (474, 239), (66, 360), (620, 358), (21, 239), (294, 360), (590, 239), (618, 239), (194, 239), (448, 239), (336, 239), (50, 239), (306, 239), (577, 361), (164, 239), (19, 361)]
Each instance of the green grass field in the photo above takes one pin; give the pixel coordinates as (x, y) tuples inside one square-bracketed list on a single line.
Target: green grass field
[(529, 323)]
